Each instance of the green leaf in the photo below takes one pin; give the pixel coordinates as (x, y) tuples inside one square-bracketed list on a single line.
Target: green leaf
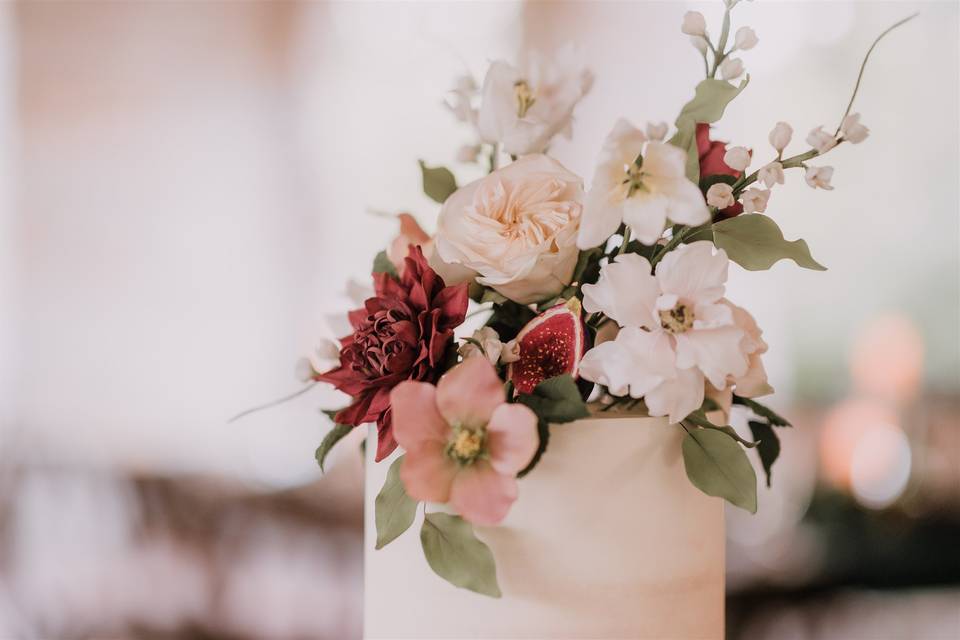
[(769, 448), (762, 411), (557, 400), (755, 242), (382, 264), (333, 437), (709, 102), (456, 555), (438, 182), (718, 466), (393, 509), (700, 420)]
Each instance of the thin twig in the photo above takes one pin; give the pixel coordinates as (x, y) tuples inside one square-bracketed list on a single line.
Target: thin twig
[(273, 403)]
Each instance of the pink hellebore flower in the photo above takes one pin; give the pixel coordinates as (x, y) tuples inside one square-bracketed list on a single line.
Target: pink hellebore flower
[(465, 444)]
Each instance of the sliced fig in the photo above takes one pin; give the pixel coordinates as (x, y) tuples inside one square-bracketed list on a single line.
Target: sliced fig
[(550, 345)]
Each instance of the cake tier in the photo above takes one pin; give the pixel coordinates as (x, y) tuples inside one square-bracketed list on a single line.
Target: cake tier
[(608, 539)]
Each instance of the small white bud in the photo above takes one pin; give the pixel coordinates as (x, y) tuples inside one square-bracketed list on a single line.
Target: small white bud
[(819, 177), (720, 195), (657, 131), (821, 140), (465, 84), (510, 352), (699, 43), (771, 174), (852, 129), (755, 200), (731, 68), (303, 370), (328, 350), (468, 153), (746, 38), (694, 24), (780, 136), (737, 158)]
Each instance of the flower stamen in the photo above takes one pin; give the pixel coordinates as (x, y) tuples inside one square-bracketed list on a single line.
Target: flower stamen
[(677, 320), (525, 97), (466, 445)]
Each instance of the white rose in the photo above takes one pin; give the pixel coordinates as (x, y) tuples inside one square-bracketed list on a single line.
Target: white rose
[(514, 230)]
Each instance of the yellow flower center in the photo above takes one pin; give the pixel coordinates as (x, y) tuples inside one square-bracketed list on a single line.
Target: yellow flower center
[(466, 445), (677, 320), (525, 97), (634, 177)]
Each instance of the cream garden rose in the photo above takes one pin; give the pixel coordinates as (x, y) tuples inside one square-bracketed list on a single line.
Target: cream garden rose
[(514, 230)]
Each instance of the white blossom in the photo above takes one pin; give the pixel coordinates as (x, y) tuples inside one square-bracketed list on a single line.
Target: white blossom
[(755, 200), (656, 131), (852, 129), (720, 195), (485, 342), (771, 174), (819, 177), (737, 158), (780, 136), (694, 24), (745, 38), (731, 68), (523, 107), (821, 140), (642, 184), (677, 331)]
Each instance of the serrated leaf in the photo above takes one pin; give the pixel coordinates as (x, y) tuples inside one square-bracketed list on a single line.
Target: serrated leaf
[(438, 182), (718, 466), (700, 420), (337, 433), (556, 400), (769, 447), (382, 264), (755, 242), (456, 555), (393, 509), (762, 411), (709, 102)]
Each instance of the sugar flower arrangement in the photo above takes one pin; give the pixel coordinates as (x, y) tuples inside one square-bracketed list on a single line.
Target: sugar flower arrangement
[(604, 298)]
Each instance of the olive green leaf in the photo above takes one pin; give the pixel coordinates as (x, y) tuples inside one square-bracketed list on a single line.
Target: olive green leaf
[(718, 466), (333, 436), (382, 264), (456, 555), (755, 242), (769, 447), (700, 420), (709, 101), (438, 182), (762, 411), (393, 509), (556, 400)]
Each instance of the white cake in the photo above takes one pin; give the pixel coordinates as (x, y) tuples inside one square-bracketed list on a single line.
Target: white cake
[(608, 539)]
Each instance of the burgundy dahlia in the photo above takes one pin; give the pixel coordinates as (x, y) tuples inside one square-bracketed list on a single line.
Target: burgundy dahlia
[(712, 163), (402, 333)]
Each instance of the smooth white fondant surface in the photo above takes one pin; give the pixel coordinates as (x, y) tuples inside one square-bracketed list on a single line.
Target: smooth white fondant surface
[(608, 539)]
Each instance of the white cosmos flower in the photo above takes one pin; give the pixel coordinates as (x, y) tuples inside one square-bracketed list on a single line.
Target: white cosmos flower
[(737, 158), (821, 140), (524, 107), (853, 130), (780, 136), (694, 24), (731, 68), (720, 195), (642, 184), (746, 38), (771, 174), (819, 177), (676, 331), (755, 200)]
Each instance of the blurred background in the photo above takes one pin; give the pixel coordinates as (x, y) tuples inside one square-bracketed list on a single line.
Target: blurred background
[(186, 192)]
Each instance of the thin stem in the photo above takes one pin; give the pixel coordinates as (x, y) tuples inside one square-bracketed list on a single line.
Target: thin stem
[(674, 241), (273, 403), (863, 66), (789, 163), (626, 240), (719, 54), (494, 157), (706, 65)]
